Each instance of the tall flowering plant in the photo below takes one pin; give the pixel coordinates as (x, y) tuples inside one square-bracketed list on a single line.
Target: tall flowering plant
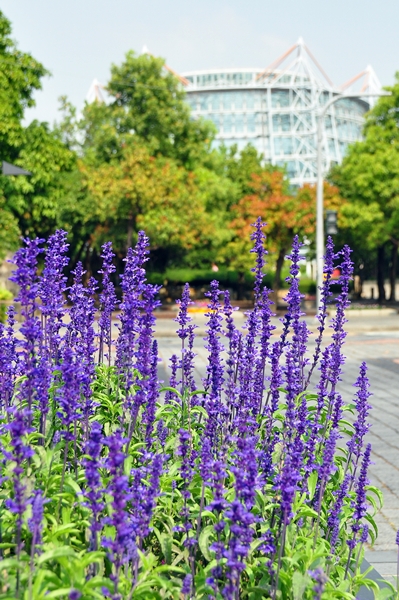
[(251, 483)]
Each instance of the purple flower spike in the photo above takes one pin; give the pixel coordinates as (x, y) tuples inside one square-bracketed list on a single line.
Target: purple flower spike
[(68, 395), (320, 579), (94, 490), (108, 302), (215, 368), (187, 585), (186, 330), (361, 425), (325, 295), (122, 548), (8, 360), (258, 237), (51, 291), (25, 276), (133, 285), (335, 513), (82, 336), (35, 523), (20, 452)]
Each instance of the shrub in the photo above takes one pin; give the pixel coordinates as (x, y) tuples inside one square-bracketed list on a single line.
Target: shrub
[(252, 484)]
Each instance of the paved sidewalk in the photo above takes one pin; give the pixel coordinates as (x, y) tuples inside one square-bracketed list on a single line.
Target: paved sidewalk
[(375, 339)]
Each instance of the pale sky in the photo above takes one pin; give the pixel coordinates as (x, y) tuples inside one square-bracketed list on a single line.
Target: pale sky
[(77, 40)]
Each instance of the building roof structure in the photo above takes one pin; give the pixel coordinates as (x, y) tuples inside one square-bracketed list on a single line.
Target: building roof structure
[(275, 109)]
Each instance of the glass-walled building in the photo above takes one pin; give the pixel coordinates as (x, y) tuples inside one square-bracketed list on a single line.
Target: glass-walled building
[(275, 110)]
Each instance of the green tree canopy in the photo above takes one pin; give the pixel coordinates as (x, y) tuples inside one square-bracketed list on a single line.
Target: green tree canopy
[(28, 205), (369, 179), (146, 101)]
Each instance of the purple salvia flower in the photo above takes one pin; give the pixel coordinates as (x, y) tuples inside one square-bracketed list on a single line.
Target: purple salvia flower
[(294, 297), (186, 332), (320, 579), (365, 534), (51, 291), (217, 476), (35, 523), (258, 237), (68, 395), (184, 451), (335, 513), (288, 478), (94, 488), (360, 505), (361, 502), (336, 357), (122, 548), (234, 338), (361, 425), (325, 295), (173, 383), (293, 316), (19, 453), (8, 360), (82, 336), (25, 276), (214, 380), (133, 285), (187, 585), (327, 467), (108, 302), (146, 355), (266, 330), (144, 493), (239, 513), (162, 433), (186, 473), (152, 396)]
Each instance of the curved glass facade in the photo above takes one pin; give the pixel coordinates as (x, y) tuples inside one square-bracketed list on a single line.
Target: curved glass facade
[(276, 113)]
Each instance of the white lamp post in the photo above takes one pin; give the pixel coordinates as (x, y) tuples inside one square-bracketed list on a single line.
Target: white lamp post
[(320, 199)]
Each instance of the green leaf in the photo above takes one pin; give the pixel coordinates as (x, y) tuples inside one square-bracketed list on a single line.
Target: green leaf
[(312, 483), (299, 584), (204, 541), (55, 553)]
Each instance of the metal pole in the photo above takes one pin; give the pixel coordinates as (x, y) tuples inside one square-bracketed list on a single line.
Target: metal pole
[(319, 208)]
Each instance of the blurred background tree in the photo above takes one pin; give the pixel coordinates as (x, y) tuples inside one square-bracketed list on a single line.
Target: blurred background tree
[(369, 179)]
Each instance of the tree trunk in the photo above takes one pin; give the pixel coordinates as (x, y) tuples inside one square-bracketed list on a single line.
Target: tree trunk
[(392, 270), (380, 273), (279, 268)]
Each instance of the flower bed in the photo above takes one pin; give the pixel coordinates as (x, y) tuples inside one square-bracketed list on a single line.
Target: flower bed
[(251, 484)]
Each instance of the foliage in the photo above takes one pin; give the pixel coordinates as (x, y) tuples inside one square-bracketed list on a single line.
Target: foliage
[(113, 486), (5, 296), (27, 205), (286, 213), (369, 179)]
